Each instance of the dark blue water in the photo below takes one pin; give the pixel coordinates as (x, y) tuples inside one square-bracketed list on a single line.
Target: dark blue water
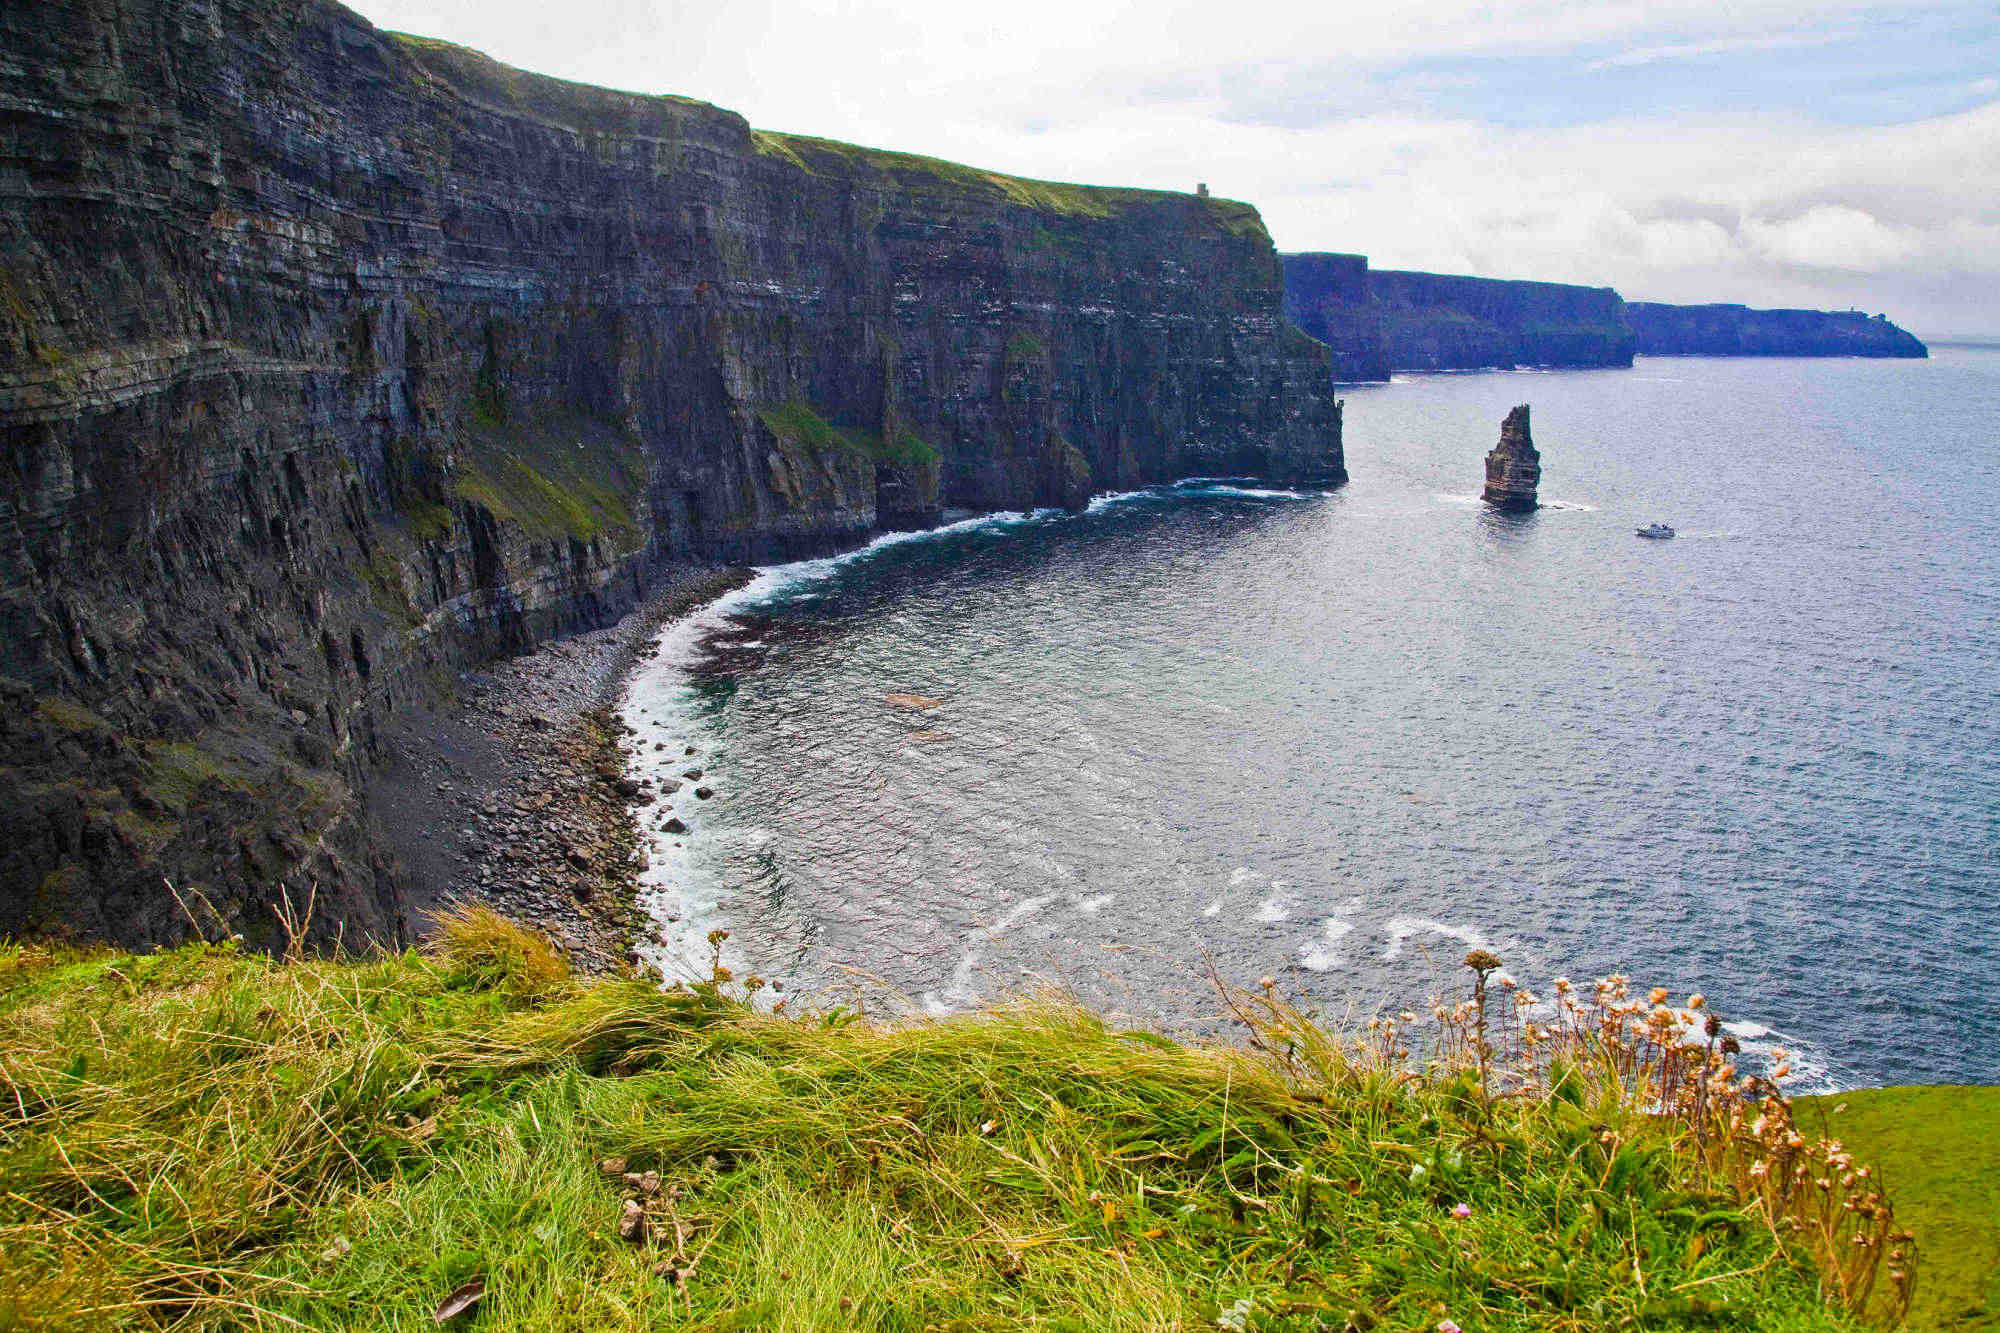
[(1338, 738)]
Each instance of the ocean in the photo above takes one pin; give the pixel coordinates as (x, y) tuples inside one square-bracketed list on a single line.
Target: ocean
[(1336, 739)]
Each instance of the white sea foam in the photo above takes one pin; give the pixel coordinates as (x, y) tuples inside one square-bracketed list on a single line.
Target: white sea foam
[(1200, 486), (1320, 957), (1272, 910), (1559, 506), (1400, 929), (1321, 954), (1094, 904), (1018, 913), (959, 992)]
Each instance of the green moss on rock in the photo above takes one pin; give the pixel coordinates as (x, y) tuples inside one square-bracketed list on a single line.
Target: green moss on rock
[(912, 171), (796, 424), (554, 474), (177, 771), (71, 717)]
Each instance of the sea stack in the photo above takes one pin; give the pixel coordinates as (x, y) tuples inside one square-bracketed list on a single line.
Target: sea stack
[(1513, 469)]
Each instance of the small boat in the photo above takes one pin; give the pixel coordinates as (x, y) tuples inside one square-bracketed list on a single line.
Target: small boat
[(1660, 531)]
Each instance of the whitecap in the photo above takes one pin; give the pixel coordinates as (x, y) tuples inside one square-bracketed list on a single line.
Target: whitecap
[(1399, 929), (1020, 912), (1318, 957)]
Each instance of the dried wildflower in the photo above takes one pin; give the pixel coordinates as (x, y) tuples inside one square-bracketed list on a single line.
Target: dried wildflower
[(1481, 960), (1697, 1000)]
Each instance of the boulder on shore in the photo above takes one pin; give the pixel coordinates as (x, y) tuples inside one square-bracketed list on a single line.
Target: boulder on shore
[(1513, 468)]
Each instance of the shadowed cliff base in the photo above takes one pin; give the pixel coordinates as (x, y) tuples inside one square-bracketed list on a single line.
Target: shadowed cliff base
[(335, 363)]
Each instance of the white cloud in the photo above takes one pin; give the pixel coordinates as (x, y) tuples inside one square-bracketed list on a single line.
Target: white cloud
[(1653, 55), (1831, 236)]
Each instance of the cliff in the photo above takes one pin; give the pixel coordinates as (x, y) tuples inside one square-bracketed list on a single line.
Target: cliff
[(1514, 466), (1381, 321), (1432, 321), (333, 361), (1734, 330), (1327, 295)]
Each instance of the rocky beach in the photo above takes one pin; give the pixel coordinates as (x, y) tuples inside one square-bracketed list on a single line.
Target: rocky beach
[(517, 795)]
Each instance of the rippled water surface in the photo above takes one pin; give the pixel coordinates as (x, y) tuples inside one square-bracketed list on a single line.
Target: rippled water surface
[(1336, 737)]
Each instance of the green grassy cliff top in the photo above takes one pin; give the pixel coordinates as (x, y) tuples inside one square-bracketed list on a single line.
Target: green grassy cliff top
[(830, 156), (208, 1138), (1938, 1151)]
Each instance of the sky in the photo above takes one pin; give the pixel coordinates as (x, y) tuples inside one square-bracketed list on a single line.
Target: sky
[(1831, 154)]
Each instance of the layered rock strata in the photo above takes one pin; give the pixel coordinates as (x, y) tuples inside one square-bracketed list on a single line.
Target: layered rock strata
[(1735, 330), (334, 361), (1514, 466)]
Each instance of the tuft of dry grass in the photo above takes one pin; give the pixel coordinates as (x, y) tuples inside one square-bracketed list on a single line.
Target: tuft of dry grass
[(478, 939)]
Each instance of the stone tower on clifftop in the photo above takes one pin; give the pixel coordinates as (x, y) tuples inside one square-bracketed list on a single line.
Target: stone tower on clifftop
[(1513, 469)]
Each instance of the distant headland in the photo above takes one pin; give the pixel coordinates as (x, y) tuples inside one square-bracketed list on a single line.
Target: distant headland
[(1377, 322)]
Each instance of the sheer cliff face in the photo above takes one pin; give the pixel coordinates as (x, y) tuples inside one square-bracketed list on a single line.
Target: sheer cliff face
[(1327, 295), (1381, 321), (1734, 330), (1433, 321), (331, 361)]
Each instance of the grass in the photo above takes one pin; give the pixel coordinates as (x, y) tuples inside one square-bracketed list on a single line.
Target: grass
[(911, 170), (207, 1138), (71, 717), (1936, 1150), (177, 771), (797, 425), (553, 474)]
